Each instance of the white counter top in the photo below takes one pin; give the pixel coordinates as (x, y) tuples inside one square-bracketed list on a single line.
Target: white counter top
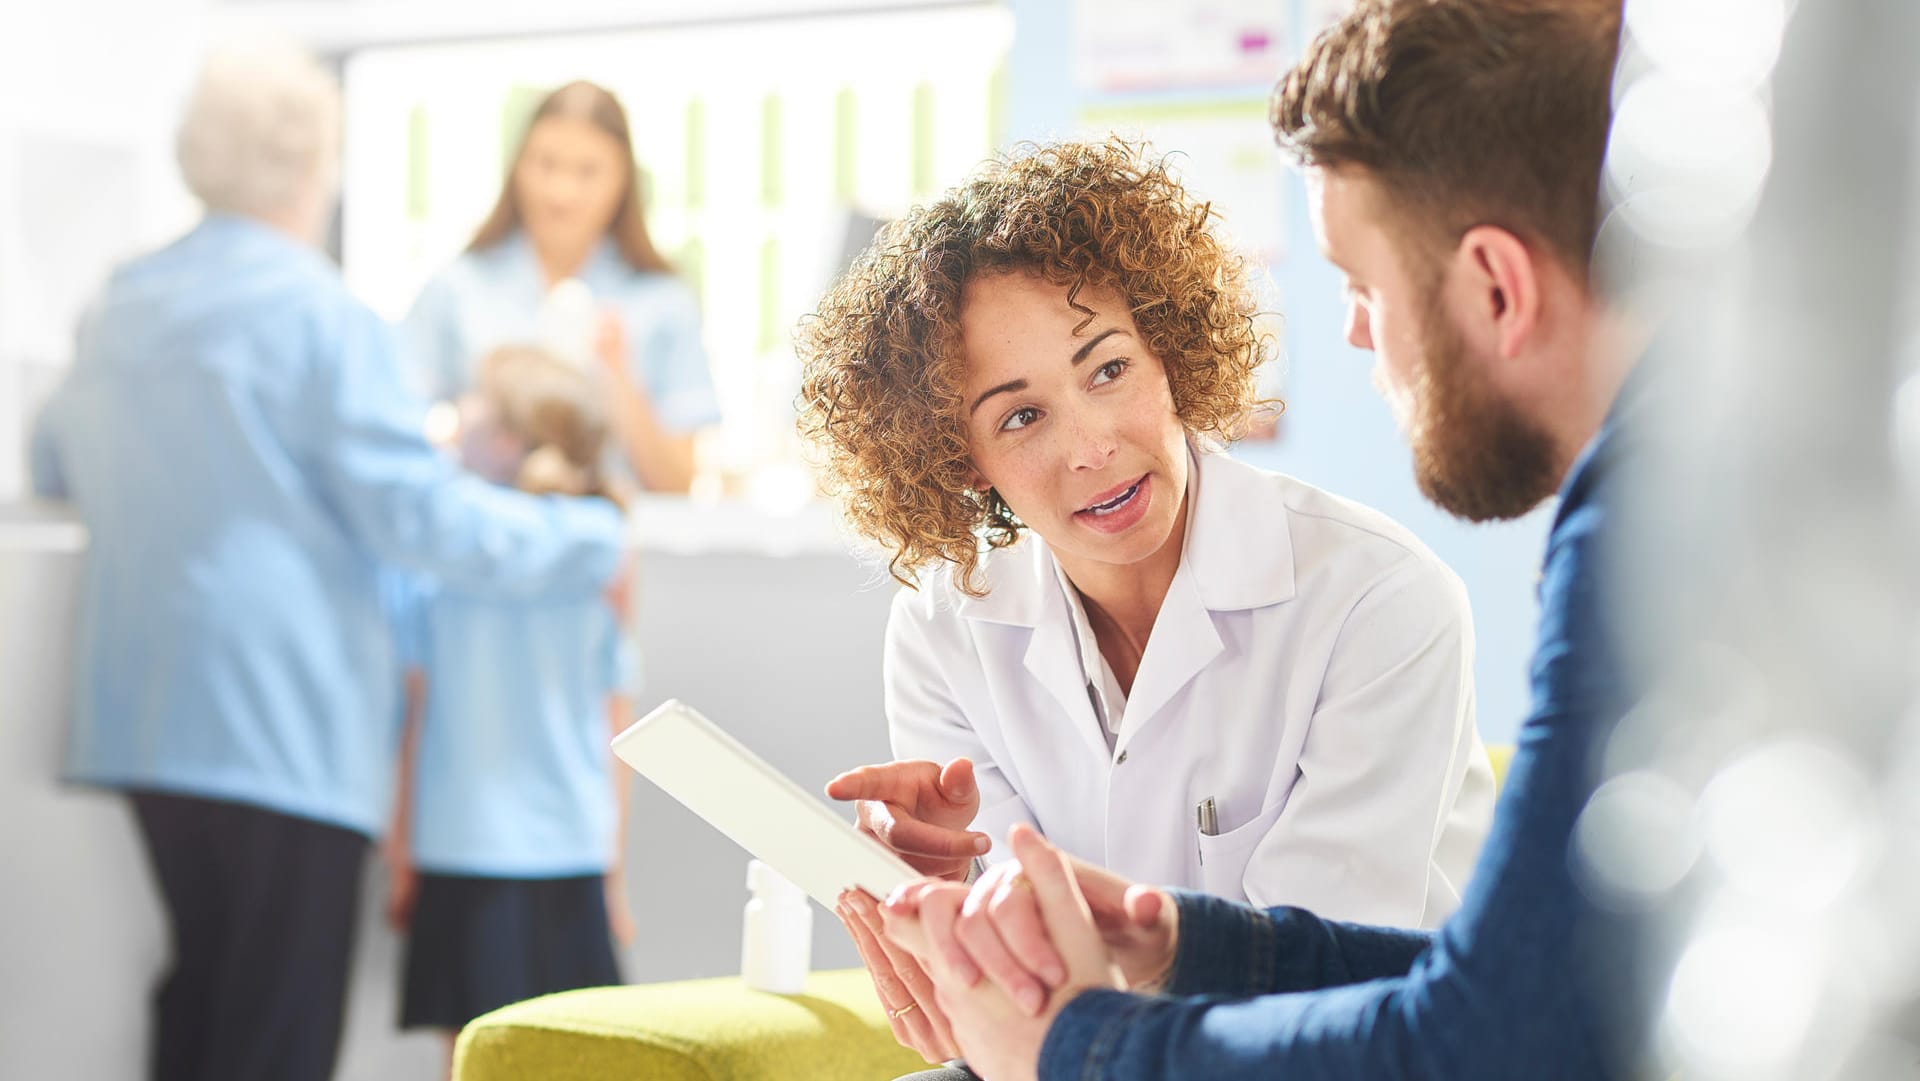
[(668, 525), (39, 526)]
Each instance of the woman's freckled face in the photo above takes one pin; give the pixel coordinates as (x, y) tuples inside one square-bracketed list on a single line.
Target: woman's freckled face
[(1074, 426)]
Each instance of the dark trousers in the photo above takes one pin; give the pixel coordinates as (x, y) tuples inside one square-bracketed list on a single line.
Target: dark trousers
[(260, 917)]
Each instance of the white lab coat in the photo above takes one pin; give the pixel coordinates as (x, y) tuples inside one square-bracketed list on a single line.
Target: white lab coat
[(1310, 671)]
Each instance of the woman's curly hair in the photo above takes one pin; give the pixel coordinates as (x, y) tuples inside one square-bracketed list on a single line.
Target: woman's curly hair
[(880, 399)]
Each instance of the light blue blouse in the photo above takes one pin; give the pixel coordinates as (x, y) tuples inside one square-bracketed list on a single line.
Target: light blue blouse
[(490, 298), (235, 435), (512, 772)]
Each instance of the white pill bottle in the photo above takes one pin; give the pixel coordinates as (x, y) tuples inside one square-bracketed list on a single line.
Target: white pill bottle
[(776, 941)]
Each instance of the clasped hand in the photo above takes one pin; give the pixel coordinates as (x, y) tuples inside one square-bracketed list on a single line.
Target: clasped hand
[(1005, 956)]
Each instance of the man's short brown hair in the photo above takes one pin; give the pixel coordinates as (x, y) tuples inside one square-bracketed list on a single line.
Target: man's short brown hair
[(1467, 112)]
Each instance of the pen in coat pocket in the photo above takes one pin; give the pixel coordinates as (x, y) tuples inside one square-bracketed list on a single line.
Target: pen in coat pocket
[(1207, 818)]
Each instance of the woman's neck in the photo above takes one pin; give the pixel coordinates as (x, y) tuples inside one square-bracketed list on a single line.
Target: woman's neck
[(1123, 599), (561, 260)]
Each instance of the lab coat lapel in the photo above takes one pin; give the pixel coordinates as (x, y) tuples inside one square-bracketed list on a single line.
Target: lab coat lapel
[(1239, 547), (1026, 595), (1237, 556), (1184, 641), (1054, 663)]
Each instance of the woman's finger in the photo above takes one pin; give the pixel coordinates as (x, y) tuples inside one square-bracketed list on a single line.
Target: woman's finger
[(907, 898), (886, 782), (927, 1026), (1013, 909), (909, 836), (981, 939), (1105, 893), (1143, 905), (938, 913), (886, 983), (1069, 923)]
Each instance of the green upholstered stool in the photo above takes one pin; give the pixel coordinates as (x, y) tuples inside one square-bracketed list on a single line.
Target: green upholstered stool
[(697, 1030)]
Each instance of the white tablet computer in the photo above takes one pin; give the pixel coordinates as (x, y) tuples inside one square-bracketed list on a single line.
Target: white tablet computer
[(763, 811)]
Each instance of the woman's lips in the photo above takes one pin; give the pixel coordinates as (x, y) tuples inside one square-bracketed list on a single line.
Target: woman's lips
[(1118, 509)]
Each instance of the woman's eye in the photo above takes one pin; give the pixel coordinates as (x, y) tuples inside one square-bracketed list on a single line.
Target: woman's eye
[(1109, 371), (1019, 418)]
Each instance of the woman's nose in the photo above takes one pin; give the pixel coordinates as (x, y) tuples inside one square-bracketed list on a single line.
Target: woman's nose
[(1093, 443)]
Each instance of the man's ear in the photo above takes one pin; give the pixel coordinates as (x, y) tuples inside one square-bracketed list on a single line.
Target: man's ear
[(1505, 282)]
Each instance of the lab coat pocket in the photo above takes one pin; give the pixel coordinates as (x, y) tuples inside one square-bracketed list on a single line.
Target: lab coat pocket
[(1224, 856)]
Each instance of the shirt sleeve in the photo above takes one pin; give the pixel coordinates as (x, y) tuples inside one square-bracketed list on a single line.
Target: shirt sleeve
[(412, 507), (1228, 948), (670, 360), (925, 720), (405, 598), (1391, 739)]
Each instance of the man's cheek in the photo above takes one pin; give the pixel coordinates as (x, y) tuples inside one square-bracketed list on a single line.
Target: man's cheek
[(1394, 392)]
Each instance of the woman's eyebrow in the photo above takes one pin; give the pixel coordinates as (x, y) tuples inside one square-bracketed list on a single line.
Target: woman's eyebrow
[(1081, 354), (1011, 385), (1021, 384)]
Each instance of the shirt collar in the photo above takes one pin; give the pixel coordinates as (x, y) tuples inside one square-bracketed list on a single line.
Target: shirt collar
[(1238, 551), (603, 271), (1623, 414), (223, 227)]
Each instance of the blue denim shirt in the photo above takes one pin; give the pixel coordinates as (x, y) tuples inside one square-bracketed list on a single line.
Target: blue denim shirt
[(236, 436), (1523, 982)]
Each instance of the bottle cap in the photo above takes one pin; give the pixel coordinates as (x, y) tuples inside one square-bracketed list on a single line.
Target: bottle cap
[(767, 884)]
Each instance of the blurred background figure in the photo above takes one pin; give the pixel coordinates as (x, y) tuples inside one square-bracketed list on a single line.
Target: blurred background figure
[(565, 259), (235, 436), (1762, 811), (505, 853)]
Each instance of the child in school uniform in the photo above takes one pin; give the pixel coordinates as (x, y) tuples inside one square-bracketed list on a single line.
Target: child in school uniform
[(505, 851)]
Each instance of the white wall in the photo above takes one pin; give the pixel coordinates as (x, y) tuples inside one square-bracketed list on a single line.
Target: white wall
[(89, 92)]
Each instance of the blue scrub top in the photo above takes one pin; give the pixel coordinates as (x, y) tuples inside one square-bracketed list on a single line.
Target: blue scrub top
[(490, 298), (234, 433), (512, 771)]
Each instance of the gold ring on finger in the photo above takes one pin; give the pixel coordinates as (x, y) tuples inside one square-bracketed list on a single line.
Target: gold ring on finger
[(895, 1015)]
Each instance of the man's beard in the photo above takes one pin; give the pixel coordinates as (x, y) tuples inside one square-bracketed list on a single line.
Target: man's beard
[(1474, 454)]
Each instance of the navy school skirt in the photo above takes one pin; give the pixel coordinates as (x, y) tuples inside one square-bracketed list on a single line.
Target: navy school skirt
[(478, 944)]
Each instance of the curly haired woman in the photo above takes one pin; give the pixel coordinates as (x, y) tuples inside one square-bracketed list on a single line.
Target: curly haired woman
[(1196, 672)]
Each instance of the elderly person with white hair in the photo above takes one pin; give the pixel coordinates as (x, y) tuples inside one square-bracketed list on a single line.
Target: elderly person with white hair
[(235, 435)]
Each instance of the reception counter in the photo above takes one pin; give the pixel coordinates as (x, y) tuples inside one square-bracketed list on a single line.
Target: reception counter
[(764, 619)]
